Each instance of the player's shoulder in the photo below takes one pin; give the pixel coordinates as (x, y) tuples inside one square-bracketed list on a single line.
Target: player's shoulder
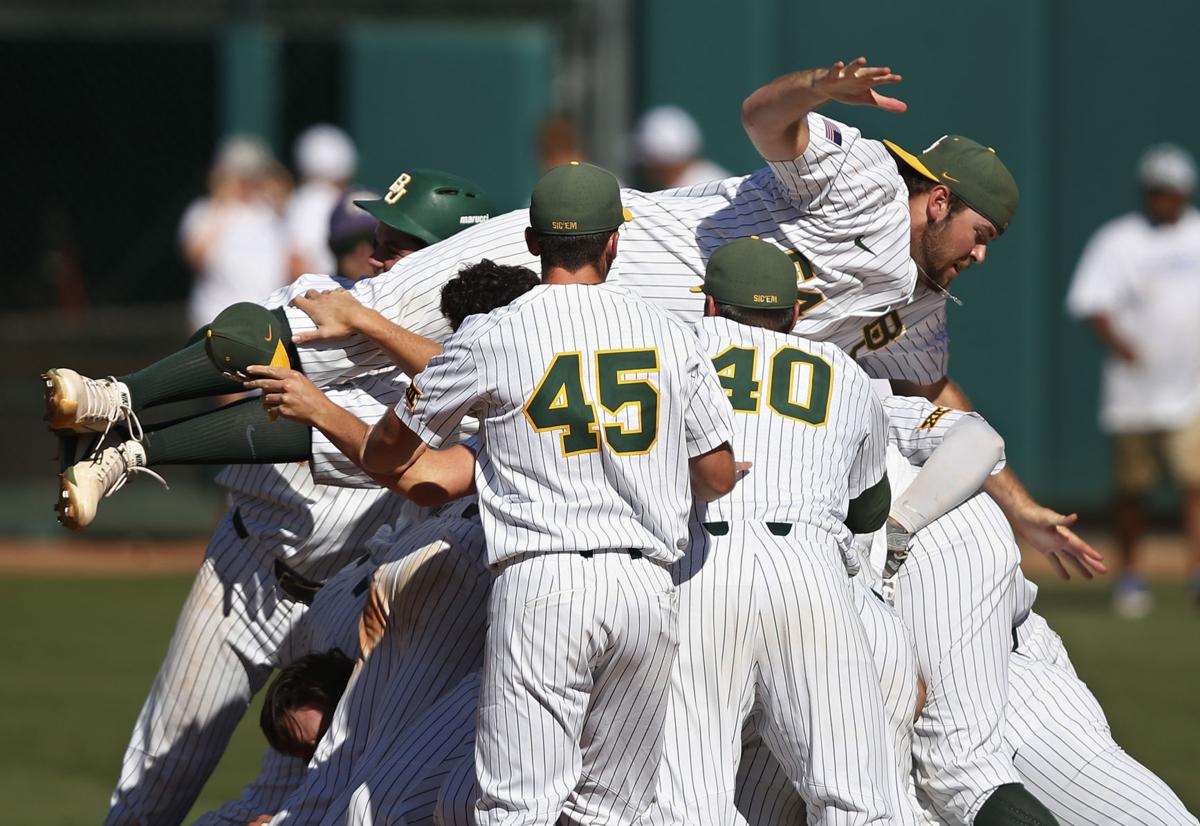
[(1121, 228)]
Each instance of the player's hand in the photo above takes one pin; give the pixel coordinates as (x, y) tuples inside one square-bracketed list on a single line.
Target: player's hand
[(335, 312), (288, 393), (855, 83), (261, 820), (1050, 533)]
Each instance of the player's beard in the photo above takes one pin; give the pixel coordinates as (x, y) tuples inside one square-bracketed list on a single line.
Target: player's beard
[(938, 264)]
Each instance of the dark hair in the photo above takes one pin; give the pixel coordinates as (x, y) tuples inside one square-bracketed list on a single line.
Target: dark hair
[(572, 252), (347, 243), (482, 287), (779, 319), (316, 680), (918, 184)]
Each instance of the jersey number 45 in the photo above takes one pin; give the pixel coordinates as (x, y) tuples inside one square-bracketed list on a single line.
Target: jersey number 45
[(560, 403)]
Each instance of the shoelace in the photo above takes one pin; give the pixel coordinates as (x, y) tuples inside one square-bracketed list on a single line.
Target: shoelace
[(125, 473)]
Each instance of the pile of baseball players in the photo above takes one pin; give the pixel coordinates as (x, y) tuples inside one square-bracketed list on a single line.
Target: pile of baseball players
[(589, 513)]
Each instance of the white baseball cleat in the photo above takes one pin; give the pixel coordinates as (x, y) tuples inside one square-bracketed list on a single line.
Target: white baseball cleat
[(85, 483), (75, 402)]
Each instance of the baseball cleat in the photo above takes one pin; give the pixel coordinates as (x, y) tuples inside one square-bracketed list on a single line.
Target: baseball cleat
[(80, 404), (84, 484)]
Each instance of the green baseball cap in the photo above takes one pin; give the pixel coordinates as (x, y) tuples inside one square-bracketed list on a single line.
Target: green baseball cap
[(971, 171), (750, 272), (431, 205), (576, 199), (244, 334)]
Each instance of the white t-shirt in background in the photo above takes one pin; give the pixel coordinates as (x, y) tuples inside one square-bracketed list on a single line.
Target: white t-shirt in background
[(1146, 280)]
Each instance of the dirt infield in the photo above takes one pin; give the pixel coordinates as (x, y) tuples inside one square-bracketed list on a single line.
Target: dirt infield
[(118, 558), (1165, 557)]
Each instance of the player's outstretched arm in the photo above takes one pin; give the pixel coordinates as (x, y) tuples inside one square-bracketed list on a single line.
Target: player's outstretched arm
[(713, 474), (775, 116), (1042, 528), (338, 314)]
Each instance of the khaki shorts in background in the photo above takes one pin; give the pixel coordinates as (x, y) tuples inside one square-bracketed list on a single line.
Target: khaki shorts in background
[(1142, 458)]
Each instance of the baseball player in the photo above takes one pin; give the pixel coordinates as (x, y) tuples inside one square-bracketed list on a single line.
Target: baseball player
[(961, 593), (281, 536), (583, 504), (767, 618), (433, 479)]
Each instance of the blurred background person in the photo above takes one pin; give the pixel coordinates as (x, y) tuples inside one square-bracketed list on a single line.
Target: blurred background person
[(559, 142), (325, 160), (234, 239), (667, 147), (1138, 288), (352, 237)]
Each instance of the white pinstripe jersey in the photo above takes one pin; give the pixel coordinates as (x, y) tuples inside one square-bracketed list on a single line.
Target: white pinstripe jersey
[(909, 342), (314, 526), (808, 419), (842, 204), (591, 401)]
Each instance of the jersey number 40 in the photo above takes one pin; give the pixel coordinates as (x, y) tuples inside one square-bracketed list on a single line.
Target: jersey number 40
[(560, 402), (737, 368)]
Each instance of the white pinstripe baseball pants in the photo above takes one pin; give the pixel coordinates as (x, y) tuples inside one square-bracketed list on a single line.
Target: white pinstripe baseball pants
[(768, 625), (577, 663)]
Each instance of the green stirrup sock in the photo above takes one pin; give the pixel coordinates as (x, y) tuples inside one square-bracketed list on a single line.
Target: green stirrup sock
[(185, 374), (239, 433), (1013, 805)]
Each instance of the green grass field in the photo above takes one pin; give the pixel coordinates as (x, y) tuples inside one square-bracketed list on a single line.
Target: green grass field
[(81, 654)]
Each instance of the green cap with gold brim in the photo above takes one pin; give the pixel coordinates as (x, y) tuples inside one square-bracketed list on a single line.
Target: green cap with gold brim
[(576, 199), (971, 171), (753, 273), (244, 334)]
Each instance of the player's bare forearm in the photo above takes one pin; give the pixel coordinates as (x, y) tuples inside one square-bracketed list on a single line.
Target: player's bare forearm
[(407, 350), (713, 474), (1041, 528), (775, 115), (389, 447), (438, 476)]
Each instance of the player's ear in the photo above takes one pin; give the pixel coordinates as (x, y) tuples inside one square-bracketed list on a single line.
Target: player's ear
[(937, 206), (710, 306), (531, 241), (610, 249), (795, 314)]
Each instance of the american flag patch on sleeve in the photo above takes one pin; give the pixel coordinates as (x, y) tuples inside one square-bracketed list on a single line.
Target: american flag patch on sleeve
[(832, 133)]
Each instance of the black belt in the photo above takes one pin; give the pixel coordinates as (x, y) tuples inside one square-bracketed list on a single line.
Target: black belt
[(296, 587), (632, 553), (722, 528)]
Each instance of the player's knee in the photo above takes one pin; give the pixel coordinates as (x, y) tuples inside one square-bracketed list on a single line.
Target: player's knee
[(920, 706), (1013, 805), (246, 334)]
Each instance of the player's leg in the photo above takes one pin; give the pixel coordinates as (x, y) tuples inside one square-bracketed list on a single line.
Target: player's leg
[(819, 691), (631, 659), (711, 687), (220, 655), (241, 335), (958, 594), (1063, 747), (1138, 468), (578, 660), (765, 795), (456, 799), (239, 433), (894, 652)]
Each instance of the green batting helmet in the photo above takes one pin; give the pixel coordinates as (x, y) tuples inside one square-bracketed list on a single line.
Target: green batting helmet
[(431, 205)]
